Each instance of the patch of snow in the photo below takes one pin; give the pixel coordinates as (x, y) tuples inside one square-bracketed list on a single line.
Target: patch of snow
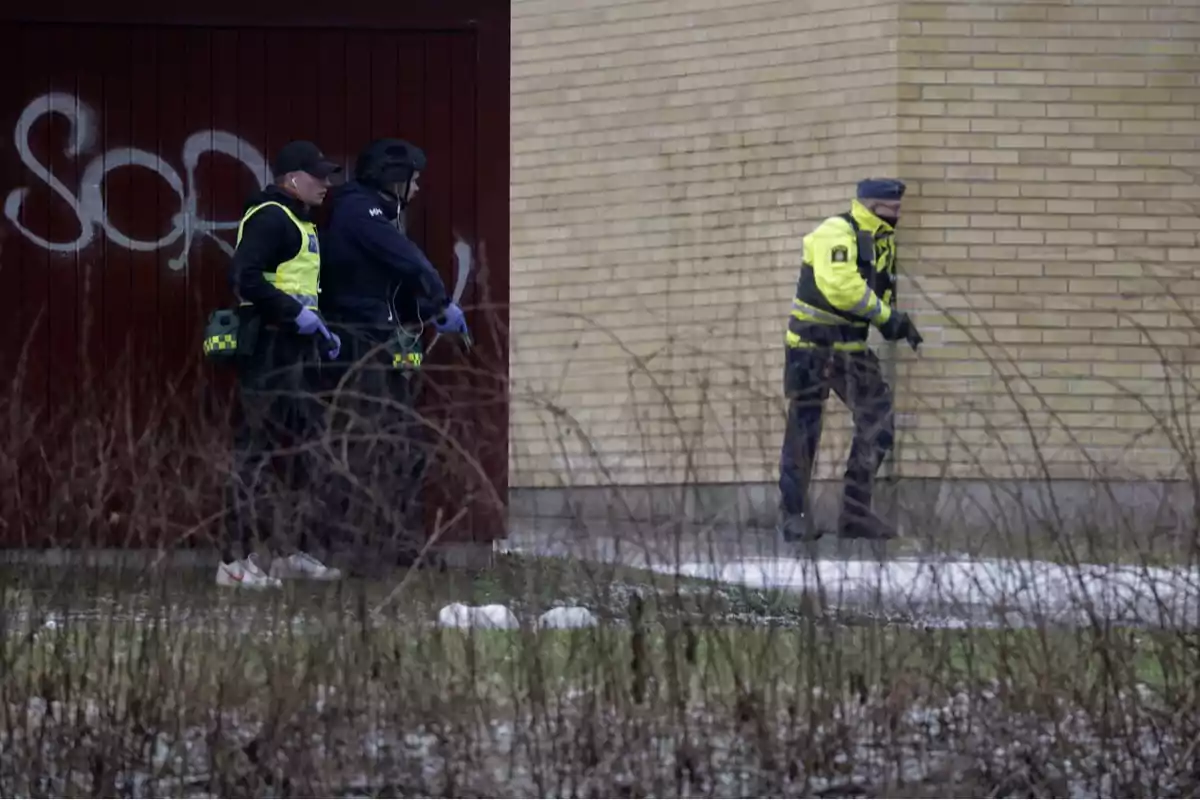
[(1020, 590), (568, 617), (460, 615)]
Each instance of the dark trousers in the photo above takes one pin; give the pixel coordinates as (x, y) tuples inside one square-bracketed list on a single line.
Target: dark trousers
[(377, 438), (269, 496), (856, 378)]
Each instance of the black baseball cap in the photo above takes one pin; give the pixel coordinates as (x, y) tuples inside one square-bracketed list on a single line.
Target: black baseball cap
[(301, 156), (881, 189)]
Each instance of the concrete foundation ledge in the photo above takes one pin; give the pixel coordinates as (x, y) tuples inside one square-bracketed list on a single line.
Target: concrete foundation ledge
[(1003, 507)]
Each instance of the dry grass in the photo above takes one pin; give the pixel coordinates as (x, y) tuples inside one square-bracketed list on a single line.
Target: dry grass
[(163, 685)]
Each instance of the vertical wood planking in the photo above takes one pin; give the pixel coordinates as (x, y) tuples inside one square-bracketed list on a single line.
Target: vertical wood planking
[(331, 106), (34, 216), (220, 197), (142, 220), (12, 331), (357, 95), (384, 85), (436, 203), (62, 280), (30, 380), (120, 307), (278, 98), (171, 334), (116, 130), (443, 486), (412, 116), (410, 88), (492, 144), (250, 87), (198, 115), (91, 306)]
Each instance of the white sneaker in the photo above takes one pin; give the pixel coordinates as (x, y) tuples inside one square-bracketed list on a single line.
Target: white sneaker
[(302, 565), (245, 574)]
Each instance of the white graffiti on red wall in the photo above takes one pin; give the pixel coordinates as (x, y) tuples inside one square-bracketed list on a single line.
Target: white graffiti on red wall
[(88, 200)]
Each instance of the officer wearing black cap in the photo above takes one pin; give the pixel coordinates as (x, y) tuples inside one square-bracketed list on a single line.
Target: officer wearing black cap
[(275, 274), (847, 283)]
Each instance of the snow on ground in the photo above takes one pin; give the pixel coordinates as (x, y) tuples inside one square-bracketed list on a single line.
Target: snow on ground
[(501, 617), (936, 591), (978, 591)]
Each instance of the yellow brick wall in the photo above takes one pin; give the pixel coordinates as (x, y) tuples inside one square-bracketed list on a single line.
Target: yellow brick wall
[(1051, 149), (669, 155)]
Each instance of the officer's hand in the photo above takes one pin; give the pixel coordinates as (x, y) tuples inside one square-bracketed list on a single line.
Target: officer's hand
[(914, 337), (334, 347), (308, 323), (897, 326), (451, 320)]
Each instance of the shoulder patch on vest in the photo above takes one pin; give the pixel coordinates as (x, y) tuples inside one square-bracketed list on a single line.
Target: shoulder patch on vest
[(840, 254)]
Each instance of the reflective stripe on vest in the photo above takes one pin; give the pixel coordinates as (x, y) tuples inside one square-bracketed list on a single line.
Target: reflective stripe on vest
[(299, 277), (794, 340)]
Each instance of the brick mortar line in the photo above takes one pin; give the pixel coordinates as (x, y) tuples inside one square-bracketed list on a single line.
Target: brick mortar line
[(655, 91), (727, 32), (716, 7), (664, 59)]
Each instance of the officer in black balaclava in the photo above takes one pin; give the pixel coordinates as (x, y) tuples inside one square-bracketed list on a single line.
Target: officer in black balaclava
[(847, 285)]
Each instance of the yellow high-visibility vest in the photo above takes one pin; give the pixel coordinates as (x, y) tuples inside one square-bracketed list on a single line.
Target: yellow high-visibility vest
[(300, 275)]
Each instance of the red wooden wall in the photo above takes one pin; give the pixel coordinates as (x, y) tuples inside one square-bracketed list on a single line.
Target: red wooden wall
[(134, 135)]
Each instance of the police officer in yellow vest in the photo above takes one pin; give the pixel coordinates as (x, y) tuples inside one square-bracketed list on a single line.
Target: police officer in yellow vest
[(847, 283), (275, 275)]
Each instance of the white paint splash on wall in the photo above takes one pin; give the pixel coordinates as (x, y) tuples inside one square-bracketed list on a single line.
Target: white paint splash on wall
[(88, 201), (463, 262)]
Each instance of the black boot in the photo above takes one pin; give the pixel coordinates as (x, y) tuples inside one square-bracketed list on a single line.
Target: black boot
[(860, 523), (797, 528), (858, 520)]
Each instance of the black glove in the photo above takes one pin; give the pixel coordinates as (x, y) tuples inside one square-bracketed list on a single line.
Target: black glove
[(897, 326), (900, 326), (913, 337)]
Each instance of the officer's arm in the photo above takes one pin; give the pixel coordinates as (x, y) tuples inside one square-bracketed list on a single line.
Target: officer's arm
[(268, 239), (387, 245), (834, 258), (892, 296)]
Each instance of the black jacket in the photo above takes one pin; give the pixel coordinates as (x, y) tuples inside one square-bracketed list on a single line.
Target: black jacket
[(369, 267), (269, 238)]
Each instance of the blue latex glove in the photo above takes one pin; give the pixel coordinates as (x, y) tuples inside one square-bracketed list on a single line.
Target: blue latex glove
[(309, 323), (335, 347), (451, 320)]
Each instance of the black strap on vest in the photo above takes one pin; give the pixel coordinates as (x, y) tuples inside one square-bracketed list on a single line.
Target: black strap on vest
[(865, 242)]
